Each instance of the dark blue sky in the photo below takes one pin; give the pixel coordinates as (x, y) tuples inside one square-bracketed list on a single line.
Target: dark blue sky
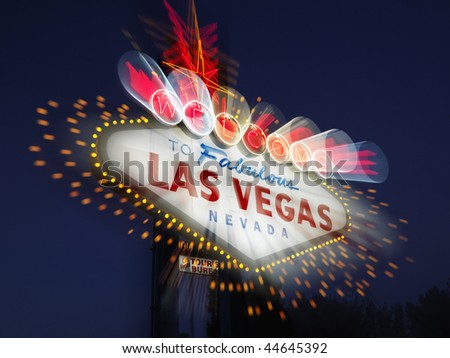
[(378, 70)]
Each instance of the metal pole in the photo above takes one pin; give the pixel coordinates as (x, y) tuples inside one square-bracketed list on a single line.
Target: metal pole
[(154, 284)]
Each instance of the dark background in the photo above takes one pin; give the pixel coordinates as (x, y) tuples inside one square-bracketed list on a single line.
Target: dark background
[(378, 70)]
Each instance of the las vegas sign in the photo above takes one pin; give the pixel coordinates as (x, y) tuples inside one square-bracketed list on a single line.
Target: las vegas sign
[(222, 170)]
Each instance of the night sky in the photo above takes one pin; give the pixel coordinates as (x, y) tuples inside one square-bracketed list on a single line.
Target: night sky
[(377, 70)]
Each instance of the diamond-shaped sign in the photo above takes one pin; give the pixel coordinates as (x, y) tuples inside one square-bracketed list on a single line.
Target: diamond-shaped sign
[(255, 210)]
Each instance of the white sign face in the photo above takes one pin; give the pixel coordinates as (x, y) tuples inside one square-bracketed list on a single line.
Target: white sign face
[(247, 207), (197, 265)]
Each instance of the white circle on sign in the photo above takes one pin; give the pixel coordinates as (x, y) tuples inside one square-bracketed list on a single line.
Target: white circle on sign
[(198, 118), (166, 107)]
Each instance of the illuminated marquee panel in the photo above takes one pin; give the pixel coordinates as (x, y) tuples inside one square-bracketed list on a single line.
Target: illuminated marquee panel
[(256, 218)]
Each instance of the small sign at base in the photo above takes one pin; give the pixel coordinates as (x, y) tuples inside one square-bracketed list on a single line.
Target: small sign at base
[(197, 265)]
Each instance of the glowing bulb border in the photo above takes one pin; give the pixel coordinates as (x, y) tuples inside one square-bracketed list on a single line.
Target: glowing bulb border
[(138, 199)]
